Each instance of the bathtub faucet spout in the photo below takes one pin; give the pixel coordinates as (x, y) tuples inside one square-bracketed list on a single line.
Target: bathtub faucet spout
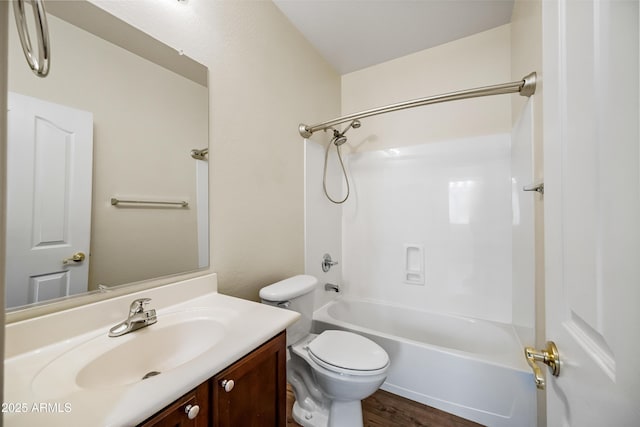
[(331, 287)]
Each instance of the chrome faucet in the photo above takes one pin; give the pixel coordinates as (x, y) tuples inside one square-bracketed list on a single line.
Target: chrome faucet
[(138, 318), (331, 287)]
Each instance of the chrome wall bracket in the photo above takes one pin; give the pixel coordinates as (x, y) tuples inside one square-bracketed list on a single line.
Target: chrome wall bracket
[(200, 154), (534, 187), (528, 87)]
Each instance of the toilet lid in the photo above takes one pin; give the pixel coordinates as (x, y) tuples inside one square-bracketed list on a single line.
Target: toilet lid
[(347, 350)]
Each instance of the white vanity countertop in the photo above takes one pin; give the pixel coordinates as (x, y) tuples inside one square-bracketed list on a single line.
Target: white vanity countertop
[(40, 386)]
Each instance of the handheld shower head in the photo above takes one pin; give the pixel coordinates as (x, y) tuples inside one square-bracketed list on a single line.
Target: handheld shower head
[(339, 138)]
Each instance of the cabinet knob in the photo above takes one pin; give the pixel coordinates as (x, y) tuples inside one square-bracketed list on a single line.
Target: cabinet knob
[(192, 411), (227, 385)]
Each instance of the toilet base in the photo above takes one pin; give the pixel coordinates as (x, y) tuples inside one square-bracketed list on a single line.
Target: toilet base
[(345, 414), (341, 414), (315, 418)]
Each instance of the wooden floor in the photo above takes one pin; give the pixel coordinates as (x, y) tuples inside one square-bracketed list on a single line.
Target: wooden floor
[(384, 409)]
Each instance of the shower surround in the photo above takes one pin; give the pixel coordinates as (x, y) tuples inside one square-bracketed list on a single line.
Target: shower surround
[(450, 200), (442, 226), (441, 229)]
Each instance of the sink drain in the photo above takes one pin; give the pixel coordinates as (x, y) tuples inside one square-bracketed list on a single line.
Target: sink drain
[(150, 374)]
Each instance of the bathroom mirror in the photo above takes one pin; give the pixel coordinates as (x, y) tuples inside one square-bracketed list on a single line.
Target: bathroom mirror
[(103, 187)]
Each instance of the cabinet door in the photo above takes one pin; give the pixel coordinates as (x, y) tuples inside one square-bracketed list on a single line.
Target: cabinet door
[(177, 414), (258, 395)]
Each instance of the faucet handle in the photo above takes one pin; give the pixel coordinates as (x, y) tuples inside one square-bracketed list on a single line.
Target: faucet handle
[(137, 306), (327, 263)]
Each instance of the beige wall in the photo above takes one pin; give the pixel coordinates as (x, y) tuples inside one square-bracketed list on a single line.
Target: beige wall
[(526, 53), (479, 60), (265, 79), (141, 155), (268, 80)]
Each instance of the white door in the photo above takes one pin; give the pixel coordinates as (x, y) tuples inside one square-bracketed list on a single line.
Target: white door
[(49, 171), (592, 210)]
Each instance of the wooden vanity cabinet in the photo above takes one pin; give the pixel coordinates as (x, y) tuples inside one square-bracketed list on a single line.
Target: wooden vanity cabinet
[(177, 414), (256, 398)]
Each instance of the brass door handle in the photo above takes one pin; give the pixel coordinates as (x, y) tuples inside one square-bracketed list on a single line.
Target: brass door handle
[(549, 357), (77, 257)]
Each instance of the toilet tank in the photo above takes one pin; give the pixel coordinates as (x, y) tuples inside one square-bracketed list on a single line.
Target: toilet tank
[(294, 293)]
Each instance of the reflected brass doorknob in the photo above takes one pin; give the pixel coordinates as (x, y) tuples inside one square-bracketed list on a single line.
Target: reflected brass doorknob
[(78, 257)]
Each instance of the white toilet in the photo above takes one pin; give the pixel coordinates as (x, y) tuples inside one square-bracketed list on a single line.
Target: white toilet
[(330, 373)]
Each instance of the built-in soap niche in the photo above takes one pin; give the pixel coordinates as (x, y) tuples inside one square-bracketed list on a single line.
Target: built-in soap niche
[(413, 264)]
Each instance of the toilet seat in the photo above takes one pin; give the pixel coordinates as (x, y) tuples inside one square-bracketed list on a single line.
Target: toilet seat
[(348, 353)]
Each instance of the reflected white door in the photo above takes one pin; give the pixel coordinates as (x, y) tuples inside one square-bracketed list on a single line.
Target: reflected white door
[(49, 171), (592, 210)]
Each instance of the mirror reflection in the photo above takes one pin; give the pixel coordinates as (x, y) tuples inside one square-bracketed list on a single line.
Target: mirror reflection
[(117, 118)]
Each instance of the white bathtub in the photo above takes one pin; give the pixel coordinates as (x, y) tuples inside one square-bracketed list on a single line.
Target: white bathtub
[(471, 368)]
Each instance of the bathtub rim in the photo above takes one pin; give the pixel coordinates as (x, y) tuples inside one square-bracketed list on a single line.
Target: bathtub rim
[(518, 364)]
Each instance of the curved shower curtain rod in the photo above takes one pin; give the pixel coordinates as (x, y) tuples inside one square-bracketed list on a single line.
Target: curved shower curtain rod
[(526, 87)]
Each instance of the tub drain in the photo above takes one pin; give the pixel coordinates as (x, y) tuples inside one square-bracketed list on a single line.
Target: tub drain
[(150, 374)]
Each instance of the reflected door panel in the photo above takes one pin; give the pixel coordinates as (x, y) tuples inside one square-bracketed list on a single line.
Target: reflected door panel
[(49, 153)]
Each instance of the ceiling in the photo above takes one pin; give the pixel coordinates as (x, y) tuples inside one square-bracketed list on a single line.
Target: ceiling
[(354, 34)]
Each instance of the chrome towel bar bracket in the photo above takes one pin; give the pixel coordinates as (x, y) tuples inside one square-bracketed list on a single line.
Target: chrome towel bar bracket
[(200, 154)]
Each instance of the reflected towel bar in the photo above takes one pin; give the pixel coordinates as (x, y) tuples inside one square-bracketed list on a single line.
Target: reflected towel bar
[(116, 202)]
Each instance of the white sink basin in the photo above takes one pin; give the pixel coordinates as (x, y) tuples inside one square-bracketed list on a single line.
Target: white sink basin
[(152, 351), (67, 360), (105, 362)]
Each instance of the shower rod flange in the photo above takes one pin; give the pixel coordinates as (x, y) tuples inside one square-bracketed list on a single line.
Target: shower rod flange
[(304, 131), (528, 87)]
